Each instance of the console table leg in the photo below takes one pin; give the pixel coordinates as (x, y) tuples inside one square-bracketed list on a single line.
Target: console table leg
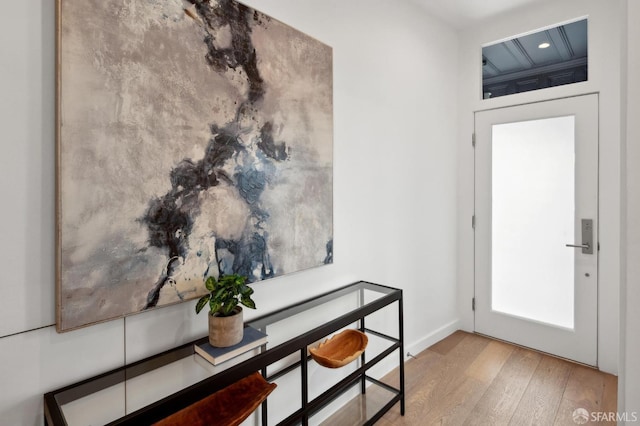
[(305, 388), (264, 420), (401, 336)]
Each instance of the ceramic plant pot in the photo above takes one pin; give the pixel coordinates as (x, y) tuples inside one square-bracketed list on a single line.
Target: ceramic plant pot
[(226, 331)]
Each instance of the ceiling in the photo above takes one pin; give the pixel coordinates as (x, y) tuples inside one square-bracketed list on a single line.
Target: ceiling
[(517, 65), (462, 13)]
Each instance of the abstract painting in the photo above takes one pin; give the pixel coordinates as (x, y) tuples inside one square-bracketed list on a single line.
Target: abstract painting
[(195, 138)]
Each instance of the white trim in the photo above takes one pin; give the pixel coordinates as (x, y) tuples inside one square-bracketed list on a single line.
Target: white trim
[(432, 338)]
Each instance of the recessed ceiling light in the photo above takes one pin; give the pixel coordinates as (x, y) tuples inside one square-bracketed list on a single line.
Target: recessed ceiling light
[(543, 45)]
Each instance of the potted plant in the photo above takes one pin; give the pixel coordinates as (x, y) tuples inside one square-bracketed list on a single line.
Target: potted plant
[(226, 325)]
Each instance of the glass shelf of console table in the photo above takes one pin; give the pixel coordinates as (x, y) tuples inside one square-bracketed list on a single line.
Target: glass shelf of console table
[(153, 388)]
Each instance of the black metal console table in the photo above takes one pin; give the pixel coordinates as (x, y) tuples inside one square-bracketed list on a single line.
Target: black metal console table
[(156, 387)]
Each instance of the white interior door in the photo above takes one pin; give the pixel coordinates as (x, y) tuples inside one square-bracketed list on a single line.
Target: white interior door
[(536, 196)]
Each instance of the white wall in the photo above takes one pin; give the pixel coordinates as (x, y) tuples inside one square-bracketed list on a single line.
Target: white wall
[(395, 76), (629, 394), (604, 77)]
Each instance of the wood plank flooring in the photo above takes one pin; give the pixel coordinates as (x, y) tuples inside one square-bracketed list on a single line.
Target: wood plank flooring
[(467, 379)]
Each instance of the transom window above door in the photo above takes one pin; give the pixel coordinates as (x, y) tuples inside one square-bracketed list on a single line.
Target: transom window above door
[(545, 58)]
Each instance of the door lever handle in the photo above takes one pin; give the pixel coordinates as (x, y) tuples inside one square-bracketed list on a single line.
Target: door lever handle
[(586, 246), (586, 237)]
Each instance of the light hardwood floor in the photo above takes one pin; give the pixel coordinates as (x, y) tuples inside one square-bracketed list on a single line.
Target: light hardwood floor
[(467, 379)]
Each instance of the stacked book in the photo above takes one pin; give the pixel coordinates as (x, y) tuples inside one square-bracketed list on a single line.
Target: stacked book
[(251, 339)]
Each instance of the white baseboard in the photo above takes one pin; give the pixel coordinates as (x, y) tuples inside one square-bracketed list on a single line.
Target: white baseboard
[(432, 338)]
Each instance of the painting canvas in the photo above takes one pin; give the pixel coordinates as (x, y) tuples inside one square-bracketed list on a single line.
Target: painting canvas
[(195, 138)]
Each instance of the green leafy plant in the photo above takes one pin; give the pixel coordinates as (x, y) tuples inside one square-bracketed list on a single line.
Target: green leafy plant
[(225, 294)]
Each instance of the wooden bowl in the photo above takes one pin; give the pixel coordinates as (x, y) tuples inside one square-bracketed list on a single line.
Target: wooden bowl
[(340, 349)]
